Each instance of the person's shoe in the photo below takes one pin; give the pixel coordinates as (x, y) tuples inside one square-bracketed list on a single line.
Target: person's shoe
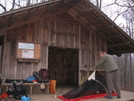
[(118, 96), (107, 97)]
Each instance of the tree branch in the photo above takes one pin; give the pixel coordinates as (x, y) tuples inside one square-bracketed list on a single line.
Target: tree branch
[(3, 7)]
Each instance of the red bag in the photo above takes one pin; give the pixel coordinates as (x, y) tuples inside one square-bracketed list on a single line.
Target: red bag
[(4, 95)]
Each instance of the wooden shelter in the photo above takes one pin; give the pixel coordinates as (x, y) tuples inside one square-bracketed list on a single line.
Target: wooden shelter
[(60, 35)]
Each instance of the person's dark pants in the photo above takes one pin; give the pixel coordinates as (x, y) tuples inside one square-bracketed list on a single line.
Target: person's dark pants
[(112, 79)]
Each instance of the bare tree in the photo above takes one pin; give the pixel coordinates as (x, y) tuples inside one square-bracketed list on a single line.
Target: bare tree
[(98, 3), (7, 5), (13, 4), (3, 7)]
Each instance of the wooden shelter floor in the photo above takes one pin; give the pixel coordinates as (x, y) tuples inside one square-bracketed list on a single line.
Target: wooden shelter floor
[(125, 95)]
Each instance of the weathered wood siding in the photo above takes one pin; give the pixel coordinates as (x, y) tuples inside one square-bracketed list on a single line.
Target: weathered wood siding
[(59, 30), (63, 31), (27, 33), (89, 47)]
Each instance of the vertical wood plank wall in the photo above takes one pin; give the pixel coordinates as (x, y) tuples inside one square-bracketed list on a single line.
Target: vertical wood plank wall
[(59, 30)]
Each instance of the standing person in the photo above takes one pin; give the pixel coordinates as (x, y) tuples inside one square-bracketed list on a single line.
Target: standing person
[(108, 63)]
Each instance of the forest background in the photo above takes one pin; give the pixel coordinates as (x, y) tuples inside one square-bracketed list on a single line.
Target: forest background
[(120, 11)]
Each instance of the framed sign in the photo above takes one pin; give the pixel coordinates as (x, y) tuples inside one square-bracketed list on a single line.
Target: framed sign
[(25, 45), (28, 50)]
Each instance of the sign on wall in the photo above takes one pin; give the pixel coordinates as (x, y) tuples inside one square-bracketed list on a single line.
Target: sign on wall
[(25, 45), (28, 51), (27, 54)]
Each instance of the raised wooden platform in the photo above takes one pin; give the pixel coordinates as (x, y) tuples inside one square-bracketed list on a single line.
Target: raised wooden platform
[(6, 85)]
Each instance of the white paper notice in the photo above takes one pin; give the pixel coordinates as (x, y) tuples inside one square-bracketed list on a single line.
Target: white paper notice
[(26, 46), (27, 54)]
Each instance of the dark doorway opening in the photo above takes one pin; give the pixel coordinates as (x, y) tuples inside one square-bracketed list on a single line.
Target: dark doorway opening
[(63, 65), (1, 51)]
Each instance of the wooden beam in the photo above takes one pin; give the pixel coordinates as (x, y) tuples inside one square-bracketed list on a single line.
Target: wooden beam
[(58, 6), (45, 10), (29, 7), (21, 22), (95, 21), (11, 20), (84, 11), (104, 29), (71, 4), (2, 32), (64, 1), (119, 44), (64, 20), (114, 51), (127, 51), (115, 36), (61, 7), (64, 33), (28, 14)]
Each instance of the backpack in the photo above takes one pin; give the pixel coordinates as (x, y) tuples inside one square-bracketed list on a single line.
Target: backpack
[(16, 89), (44, 74), (38, 77)]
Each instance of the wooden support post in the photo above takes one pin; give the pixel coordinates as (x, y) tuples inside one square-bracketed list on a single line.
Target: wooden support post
[(79, 73)]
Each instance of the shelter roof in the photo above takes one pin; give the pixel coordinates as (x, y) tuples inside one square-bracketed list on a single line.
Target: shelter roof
[(83, 11)]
